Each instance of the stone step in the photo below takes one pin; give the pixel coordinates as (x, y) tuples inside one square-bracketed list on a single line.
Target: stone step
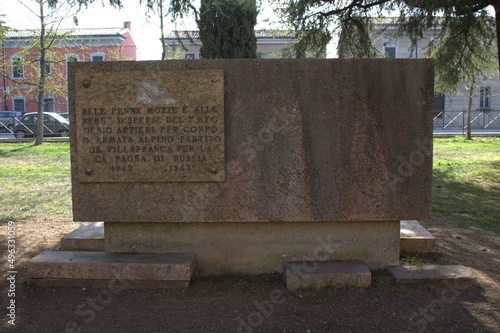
[(319, 274), (457, 276), (101, 269), (88, 237), (415, 238)]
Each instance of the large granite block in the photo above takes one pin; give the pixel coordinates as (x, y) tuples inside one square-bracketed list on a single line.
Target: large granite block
[(305, 141)]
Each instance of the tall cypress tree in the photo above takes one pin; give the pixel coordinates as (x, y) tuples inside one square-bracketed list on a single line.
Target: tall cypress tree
[(227, 29)]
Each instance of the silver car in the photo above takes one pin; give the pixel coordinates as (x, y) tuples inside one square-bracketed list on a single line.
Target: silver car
[(53, 125)]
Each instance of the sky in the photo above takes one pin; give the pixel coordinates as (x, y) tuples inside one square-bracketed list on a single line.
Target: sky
[(146, 32)]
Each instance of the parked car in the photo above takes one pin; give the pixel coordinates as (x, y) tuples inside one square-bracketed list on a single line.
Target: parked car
[(65, 115), (8, 119), (53, 125)]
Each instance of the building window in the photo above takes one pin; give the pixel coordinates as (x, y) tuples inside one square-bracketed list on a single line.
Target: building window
[(48, 104), (485, 98), (97, 57), (19, 104), (17, 67), (47, 65), (189, 56), (390, 52), (70, 58)]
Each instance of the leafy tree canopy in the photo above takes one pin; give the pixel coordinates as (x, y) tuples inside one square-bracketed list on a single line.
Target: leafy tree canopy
[(3, 28), (311, 18), (227, 29), (176, 7), (465, 53)]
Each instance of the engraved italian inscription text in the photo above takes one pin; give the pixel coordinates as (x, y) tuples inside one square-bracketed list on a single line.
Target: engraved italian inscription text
[(150, 127)]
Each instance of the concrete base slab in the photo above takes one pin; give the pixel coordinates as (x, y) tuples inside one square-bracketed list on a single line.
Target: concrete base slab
[(72, 268), (88, 237), (318, 274), (459, 276), (257, 247), (415, 238)]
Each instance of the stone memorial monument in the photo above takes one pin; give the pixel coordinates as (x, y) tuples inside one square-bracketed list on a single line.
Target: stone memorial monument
[(251, 164)]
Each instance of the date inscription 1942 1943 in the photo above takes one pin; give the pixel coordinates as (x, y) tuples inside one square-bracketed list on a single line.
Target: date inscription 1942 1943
[(172, 139)]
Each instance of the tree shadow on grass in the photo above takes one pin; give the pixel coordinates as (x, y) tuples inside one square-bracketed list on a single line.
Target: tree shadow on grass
[(464, 203), (9, 152)]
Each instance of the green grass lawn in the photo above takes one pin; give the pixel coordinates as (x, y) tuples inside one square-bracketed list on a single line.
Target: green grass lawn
[(35, 182), (466, 182)]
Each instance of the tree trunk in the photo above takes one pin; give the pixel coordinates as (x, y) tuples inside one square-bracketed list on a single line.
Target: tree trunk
[(39, 124), (41, 78), (469, 107), (162, 27)]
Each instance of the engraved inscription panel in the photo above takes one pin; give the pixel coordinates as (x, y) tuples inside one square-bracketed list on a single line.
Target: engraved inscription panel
[(150, 127)]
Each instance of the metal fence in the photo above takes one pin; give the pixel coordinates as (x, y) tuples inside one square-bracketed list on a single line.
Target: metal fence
[(444, 120), (7, 124), (457, 120)]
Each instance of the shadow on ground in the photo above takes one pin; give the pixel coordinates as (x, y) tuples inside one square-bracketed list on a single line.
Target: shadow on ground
[(465, 204)]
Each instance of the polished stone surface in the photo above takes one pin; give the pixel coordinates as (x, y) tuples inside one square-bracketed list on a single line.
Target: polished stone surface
[(305, 140)]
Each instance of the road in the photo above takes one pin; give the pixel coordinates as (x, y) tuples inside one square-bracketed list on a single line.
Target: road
[(481, 132), (7, 136)]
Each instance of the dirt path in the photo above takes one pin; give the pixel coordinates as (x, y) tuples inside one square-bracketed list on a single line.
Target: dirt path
[(262, 303)]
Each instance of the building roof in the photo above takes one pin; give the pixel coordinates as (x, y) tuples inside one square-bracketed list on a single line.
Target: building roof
[(393, 22), (195, 34), (79, 32)]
